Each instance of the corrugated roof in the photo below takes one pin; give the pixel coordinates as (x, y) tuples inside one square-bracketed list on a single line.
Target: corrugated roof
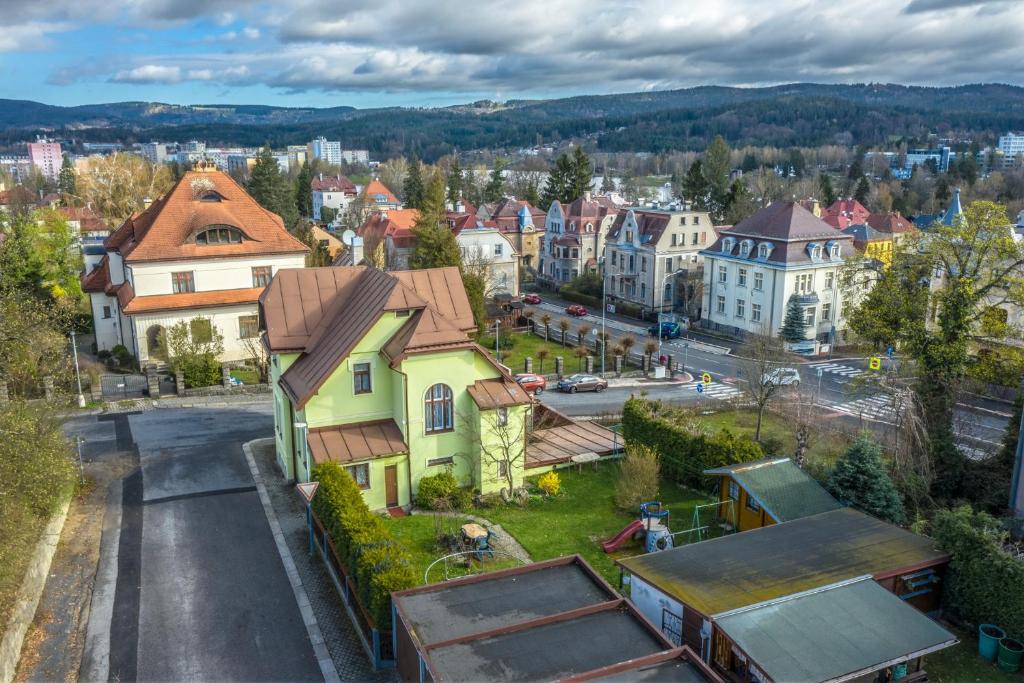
[(426, 330), (834, 633), (443, 288), (784, 490), (762, 564), (355, 442), (498, 392)]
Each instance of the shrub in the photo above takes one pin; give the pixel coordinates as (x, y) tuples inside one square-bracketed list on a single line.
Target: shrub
[(441, 491), (684, 451), (859, 479), (550, 483), (122, 356), (638, 477)]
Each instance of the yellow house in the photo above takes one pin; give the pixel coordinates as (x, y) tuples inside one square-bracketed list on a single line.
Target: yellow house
[(873, 244)]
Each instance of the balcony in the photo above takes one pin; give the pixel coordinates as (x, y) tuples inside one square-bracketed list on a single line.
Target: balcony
[(810, 299)]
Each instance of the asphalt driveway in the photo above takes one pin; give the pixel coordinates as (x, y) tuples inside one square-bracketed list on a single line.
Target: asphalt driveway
[(201, 593)]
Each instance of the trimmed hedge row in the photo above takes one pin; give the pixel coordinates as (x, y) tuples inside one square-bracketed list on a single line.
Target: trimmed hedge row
[(377, 563), (683, 456)]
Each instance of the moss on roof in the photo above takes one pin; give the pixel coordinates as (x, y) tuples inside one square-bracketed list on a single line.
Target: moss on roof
[(784, 490)]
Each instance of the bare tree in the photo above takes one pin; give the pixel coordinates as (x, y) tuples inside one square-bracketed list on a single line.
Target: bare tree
[(256, 353), (500, 436), (563, 325), (759, 357)]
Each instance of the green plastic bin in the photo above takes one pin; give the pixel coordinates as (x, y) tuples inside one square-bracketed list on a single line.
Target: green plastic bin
[(989, 636), (1010, 653)]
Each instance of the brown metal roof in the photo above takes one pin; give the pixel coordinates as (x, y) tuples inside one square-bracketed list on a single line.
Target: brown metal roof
[(297, 299), (355, 442), (443, 288), (558, 444), (499, 392), (340, 328), (426, 330)]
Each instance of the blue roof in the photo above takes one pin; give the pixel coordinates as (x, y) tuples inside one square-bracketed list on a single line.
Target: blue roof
[(954, 210)]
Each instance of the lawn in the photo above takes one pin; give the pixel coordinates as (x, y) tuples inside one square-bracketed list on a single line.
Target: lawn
[(961, 664), (527, 345), (825, 447), (583, 515), (245, 375)]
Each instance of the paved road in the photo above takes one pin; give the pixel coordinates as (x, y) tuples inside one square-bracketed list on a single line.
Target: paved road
[(200, 591)]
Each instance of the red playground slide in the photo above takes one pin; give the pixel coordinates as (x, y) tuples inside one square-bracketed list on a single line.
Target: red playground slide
[(613, 544)]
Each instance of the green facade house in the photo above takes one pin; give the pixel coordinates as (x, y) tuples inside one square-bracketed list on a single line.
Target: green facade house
[(377, 371)]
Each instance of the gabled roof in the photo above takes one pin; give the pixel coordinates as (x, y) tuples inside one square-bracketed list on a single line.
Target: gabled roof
[(650, 225), (88, 220), (594, 208), (849, 208), (863, 234), (784, 490), (840, 632), (338, 183), (394, 223), (499, 392), (783, 221), (166, 230), (377, 192), (893, 222), (323, 313), (97, 279)]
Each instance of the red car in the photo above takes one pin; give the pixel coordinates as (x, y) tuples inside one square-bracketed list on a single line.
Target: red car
[(576, 310), (532, 299), (534, 384)]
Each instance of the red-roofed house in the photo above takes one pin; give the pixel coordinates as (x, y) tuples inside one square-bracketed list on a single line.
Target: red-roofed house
[(843, 213), (332, 192), (376, 195), (206, 249)]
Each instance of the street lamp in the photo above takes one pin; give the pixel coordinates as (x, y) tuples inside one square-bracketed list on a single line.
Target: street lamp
[(78, 373), (604, 308), (664, 281)]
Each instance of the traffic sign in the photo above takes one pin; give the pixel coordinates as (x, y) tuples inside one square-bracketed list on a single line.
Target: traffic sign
[(700, 388), (875, 363), (820, 372), (889, 351), (308, 490), (706, 378)]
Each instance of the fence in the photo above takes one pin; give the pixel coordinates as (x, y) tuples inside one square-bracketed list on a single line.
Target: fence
[(379, 647)]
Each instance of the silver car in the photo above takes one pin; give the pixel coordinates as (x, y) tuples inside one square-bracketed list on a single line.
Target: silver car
[(781, 377)]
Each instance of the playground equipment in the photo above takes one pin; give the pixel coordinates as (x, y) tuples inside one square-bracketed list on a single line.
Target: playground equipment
[(724, 510), (652, 527)]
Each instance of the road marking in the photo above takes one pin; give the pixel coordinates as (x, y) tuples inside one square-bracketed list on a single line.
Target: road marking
[(722, 392), (873, 407), (838, 369)]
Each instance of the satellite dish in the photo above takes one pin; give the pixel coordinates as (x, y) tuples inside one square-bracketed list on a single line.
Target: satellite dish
[(348, 237)]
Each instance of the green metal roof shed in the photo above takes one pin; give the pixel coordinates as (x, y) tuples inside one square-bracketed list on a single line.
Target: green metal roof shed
[(784, 490), (834, 633)]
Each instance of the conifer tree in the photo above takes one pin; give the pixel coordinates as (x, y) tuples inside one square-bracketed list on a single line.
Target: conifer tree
[(862, 191), (495, 188), (271, 188), (695, 187), (794, 325), (859, 479), (435, 245), (580, 176), (557, 186), (412, 187), (828, 193), (454, 181), (66, 180), (304, 191)]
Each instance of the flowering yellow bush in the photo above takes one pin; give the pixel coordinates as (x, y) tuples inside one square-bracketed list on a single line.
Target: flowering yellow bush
[(550, 483)]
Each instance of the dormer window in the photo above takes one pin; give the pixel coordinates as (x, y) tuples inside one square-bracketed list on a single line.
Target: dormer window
[(727, 245), (763, 250), (814, 250), (219, 234), (833, 250), (211, 197), (745, 247), (590, 227)]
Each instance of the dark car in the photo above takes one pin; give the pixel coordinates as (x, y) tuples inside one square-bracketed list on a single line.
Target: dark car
[(532, 299), (581, 382), (668, 330), (576, 310), (534, 384)]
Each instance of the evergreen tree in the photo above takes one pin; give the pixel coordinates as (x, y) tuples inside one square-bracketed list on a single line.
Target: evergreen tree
[(304, 191), (740, 203), (828, 193), (495, 188), (531, 192), (454, 181), (794, 325), (859, 479), (557, 185), (607, 184), (863, 190), (475, 283), (797, 164), (749, 163), (271, 188), (66, 180), (412, 187), (435, 245), (856, 169), (716, 171), (580, 177), (695, 188)]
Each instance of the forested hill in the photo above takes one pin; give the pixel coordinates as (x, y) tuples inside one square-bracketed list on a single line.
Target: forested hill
[(798, 114)]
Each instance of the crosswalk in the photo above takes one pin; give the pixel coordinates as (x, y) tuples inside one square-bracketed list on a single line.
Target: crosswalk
[(723, 392), (870, 407), (837, 369)]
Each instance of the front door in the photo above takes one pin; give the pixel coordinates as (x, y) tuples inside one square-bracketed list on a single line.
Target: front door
[(391, 485)]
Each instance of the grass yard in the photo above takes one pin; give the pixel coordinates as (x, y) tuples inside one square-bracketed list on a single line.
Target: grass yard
[(245, 375), (961, 664), (824, 449), (583, 515), (527, 345)]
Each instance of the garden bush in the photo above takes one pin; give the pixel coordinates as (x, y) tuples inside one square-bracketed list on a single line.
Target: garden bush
[(984, 584), (683, 453), (550, 483), (377, 563), (638, 477), (441, 491)]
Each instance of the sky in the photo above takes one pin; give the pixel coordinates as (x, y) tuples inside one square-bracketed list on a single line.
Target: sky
[(366, 53)]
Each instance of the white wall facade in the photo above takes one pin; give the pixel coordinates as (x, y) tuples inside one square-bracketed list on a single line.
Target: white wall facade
[(224, 318), (331, 199), (107, 321), (654, 604), (488, 246), (209, 274)]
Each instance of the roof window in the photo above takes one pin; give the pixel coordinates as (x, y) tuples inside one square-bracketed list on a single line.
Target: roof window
[(219, 234)]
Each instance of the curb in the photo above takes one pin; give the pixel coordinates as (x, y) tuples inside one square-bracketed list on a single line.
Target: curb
[(29, 593), (323, 657)]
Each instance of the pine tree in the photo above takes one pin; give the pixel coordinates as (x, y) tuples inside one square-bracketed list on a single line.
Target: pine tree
[(495, 189), (454, 182), (304, 191), (435, 245), (794, 325), (863, 190), (557, 185), (271, 188), (412, 187), (66, 180), (580, 177), (695, 187), (607, 184), (716, 169), (859, 479), (740, 203), (828, 193)]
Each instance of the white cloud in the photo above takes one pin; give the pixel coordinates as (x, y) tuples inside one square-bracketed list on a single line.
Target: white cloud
[(149, 73)]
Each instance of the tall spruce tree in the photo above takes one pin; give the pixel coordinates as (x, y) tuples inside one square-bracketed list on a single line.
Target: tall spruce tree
[(66, 179), (495, 189), (558, 186), (580, 177), (304, 191), (271, 188), (828, 193), (454, 181), (695, 187), (859, 479), (794, 325), (862, 191), (716, 169), (435, 245), (412, 187)]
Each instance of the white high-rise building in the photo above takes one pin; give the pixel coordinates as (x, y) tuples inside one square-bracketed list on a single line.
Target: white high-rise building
[(154, 152), (1011, 144), (325, 150)]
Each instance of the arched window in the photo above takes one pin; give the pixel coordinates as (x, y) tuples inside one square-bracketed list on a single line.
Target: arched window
[(219, 234), (438, 409), (154, 341)]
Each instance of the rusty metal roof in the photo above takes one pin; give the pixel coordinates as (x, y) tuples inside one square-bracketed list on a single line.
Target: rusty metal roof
[(762, 564), (355, 442)]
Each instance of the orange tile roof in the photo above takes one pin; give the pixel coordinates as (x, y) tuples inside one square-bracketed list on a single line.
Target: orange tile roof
[(377, 192), (394, 223), (166, 229), (173, 302), (97, 279)]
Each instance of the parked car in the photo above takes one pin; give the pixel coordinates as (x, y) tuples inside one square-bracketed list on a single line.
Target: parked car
[(532, 299), (576, 310), (581, 382), (782, 377), (668, 330), (534, 384)]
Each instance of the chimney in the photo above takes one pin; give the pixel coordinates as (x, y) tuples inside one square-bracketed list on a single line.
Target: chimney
[(357, 250), (321, 176), (586, 195)]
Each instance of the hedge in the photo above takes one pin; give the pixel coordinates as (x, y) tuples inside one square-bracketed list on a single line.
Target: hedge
[(683, 455), (376, 562), (984, 584)]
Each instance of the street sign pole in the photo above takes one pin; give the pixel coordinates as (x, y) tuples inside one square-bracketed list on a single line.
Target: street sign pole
[(686, 354), (818, 397), (307, 490)]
